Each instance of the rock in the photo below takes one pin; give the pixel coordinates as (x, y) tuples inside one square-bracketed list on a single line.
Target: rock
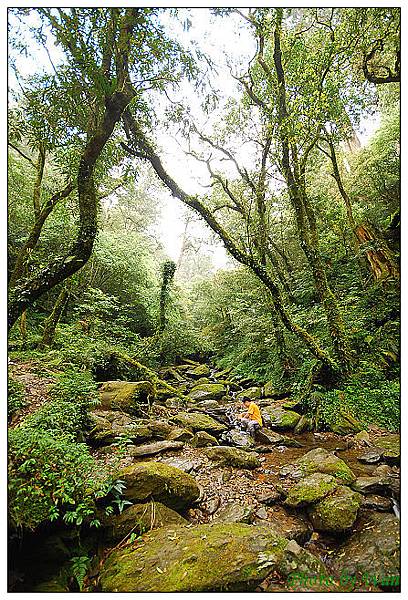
[(159, 428), (311, 489), (166, 484), (262, 513), (199, 422), (371, 485), (235, 457), (304, 424), (212, 505), (370, 458), (125, 395), (323, 461), (205, 558), (346, 424), (372, 554), (109, 425), (269, 496), (269, 390), (207, 391), (184, 464), (266, 436), (198, 371), (241, 439), (286, 524), (180, 435), (202, 439), (392, 447), (155, 448), (336, 512), (140, 518), (280, 418), (202, 381), (362, 437), (234, 513), (377, 503), (207, 405), (253, 393)]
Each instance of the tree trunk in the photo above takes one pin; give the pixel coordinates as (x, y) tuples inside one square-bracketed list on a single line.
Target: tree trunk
[(52, 320)]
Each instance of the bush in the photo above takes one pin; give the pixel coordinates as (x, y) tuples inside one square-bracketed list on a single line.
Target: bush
[(15, 396), (49, 478), (67, 413)]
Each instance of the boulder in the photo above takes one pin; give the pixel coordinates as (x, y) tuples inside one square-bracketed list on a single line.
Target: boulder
[(337, 512), (207, 405), (287, 524), (140, 518), (202, 439), (371, 457), (266, 436), (304, 424), (155, 448), (184, 464), (125, 395), (391, 445), (322, 461), (234, 457), (207, 391), (280, 418), (253, 392), (372, 554), (169, 485), (109, 425), (197, 371), (240, 439), (199, 422), (346, 424), (310, 489), (234, 513), (269, 390), (371, 485), (205, 558), (269, 496), (374, 502), (161, 429), (363, 438), (180, 435)]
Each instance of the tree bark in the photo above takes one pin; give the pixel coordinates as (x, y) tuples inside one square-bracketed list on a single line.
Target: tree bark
[(51, 322)]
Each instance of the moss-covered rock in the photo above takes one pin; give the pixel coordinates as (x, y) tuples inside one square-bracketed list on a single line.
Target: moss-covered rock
[(280, 418), (269, 390), (304, 424), (234, 513), (392, 446), (164, 483), (372, 552), (198, 371), (203, 439), (205, 558), (154, 448), (253, 392), (180, 435), (125, 395), (346, 424), (138, 519), (234, 457), (336, 512), (266, 436), (322, 461), (310, 489), (108, 425), (207, 391), (199, 422)]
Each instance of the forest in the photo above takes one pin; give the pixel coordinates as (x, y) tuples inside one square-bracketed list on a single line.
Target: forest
[(203, 299)]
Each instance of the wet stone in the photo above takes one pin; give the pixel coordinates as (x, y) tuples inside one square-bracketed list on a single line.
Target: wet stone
[(379, 503), (370, 458)]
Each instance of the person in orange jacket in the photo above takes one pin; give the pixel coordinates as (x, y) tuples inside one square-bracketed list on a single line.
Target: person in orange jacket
[(251, 419)]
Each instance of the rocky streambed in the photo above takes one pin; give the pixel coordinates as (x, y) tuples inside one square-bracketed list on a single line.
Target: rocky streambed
[(209, 509)]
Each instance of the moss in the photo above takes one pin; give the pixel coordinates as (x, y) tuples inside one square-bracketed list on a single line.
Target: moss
[(311, 489), (323, 461), (235, 457), (205, 558), (164, 483), (199, 422), (207, 391), (336, 512), (282, 419)]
